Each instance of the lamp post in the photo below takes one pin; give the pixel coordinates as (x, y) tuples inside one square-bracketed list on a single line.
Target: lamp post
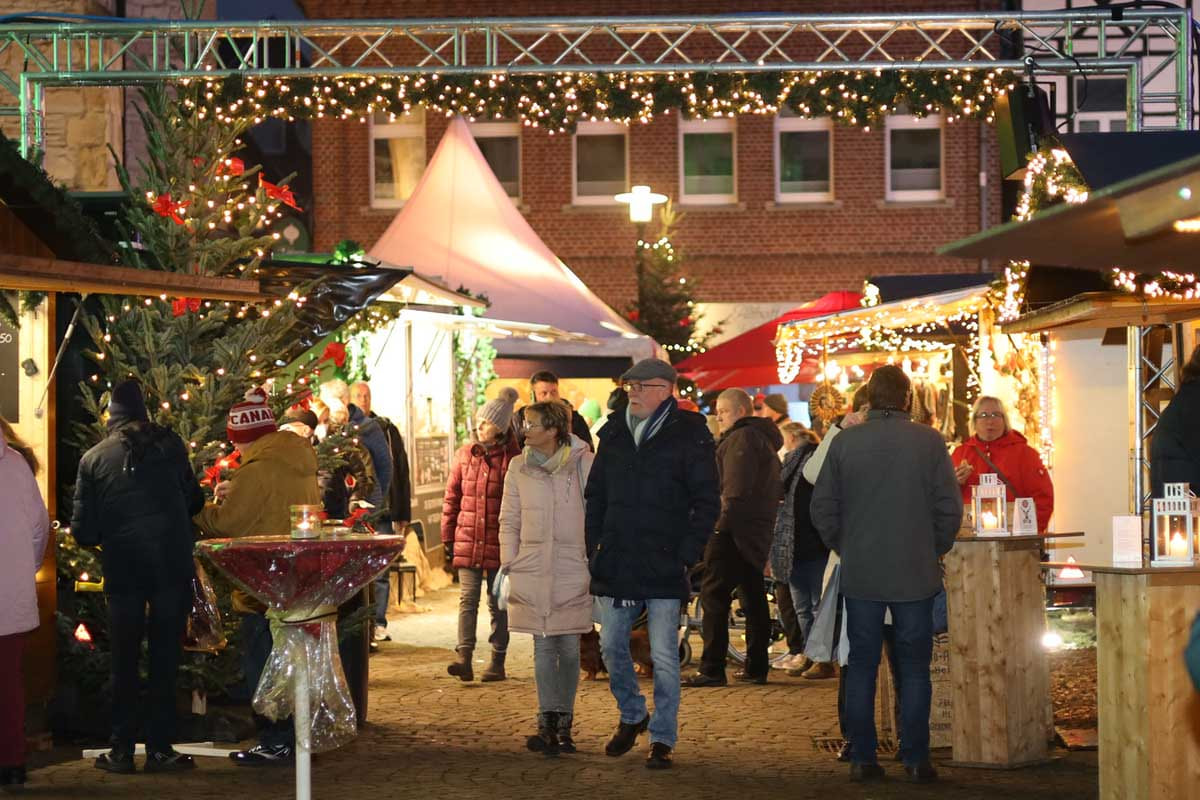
[(641, 202)]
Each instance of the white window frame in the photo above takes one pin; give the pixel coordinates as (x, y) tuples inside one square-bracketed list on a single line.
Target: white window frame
[(588, 128), (904, 122), (785, 124), (718, 125), (502, 130), (400, 129)]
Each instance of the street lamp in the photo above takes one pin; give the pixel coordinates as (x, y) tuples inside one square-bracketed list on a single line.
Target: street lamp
[(641, 202)]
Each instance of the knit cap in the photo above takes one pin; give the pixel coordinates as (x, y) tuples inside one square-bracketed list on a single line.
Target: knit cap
[(127, 404), (499, 412), (250, 419)]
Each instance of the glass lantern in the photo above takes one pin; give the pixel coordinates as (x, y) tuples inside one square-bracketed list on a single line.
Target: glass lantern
[(1175, 526), (989, 506), (306, 521)]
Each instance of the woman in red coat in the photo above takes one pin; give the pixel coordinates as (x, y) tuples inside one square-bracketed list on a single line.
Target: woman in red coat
[(471, 529), (1015, 463)]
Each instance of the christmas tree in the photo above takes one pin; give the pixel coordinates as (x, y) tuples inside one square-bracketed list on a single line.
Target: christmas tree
[(666, 308), (197, 209)]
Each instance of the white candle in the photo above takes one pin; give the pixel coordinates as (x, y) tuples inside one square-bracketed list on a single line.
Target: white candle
[(990, 521), (1178, 546)]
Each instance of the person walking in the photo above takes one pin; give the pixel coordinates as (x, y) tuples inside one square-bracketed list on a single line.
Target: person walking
[(24, 530), (653, 497), (887, 502), (471, 530), (397, 494), (135, 494), (737, 552), (278, 470), (542, 549)]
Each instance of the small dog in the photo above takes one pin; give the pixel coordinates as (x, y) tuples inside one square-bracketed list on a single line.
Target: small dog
[(592, 663)]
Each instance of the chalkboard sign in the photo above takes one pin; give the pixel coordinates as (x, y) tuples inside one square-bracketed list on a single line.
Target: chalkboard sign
[(9, 373)]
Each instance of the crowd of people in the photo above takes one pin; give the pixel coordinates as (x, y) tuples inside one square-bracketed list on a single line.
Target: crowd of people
[(561, 532)]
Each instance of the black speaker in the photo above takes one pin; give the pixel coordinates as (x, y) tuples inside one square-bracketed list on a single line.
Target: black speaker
[(1022, 117)]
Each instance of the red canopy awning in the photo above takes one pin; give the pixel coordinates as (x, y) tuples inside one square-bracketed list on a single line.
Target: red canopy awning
[(748, 359)]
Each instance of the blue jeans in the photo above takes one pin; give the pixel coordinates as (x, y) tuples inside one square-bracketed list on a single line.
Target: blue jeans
[(663, 627), (805, 585), (383, 585), (556, 671), (913, 628)]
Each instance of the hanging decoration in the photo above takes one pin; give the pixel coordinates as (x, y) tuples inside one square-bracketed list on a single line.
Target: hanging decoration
[(861, 98), (281, 193), (183, 305), (165, 207)]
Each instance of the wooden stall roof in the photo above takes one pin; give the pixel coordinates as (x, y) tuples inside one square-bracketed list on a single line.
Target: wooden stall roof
[(29, 273), (1104, 310), (1128, 225)]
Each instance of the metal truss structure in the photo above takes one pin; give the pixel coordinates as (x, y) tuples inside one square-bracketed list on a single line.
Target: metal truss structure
[(40, 55), (1154, 365)]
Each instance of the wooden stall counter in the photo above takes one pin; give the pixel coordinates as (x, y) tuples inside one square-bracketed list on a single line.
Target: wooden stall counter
[(998, 669), (1148, 710)]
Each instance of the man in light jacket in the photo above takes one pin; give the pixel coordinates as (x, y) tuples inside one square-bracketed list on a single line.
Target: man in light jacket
[(887, 501)]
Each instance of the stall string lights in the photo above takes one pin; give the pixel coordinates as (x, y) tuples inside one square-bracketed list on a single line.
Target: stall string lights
[(862, 98)]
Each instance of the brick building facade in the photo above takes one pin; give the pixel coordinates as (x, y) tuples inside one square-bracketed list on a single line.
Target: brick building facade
[(751, 245)]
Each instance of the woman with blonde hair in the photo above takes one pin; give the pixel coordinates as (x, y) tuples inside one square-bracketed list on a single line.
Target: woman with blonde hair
[(24, 528), (994, 447), (542, 547)]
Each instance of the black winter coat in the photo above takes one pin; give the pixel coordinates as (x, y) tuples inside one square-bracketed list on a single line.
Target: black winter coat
[(748, 463), (400, 491), (1175, 449), (650, 510), (135, 496), (807, 544)]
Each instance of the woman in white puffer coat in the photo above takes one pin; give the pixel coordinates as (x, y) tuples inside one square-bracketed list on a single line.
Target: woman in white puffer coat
[(542, 550)]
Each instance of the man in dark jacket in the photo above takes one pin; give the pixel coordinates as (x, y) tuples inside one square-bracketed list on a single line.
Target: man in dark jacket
[(737, 552), (886, 500), (398, 494), (135, 494), (543, 386), (1175, 449), (652, 499)]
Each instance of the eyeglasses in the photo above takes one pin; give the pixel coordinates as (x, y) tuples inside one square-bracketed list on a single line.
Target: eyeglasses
[(637, 386), (990, 415), (532, 426)]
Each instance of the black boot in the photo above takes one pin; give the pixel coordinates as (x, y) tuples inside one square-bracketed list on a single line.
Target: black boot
[(545, 741), (495, 670), (565, 743), (462, 668)]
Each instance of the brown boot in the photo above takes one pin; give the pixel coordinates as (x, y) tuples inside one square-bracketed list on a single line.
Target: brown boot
[(495, 670), (819, 670), (462, 668)]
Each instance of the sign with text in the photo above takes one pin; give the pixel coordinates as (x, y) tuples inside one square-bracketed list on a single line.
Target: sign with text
[(431, 470), (10, 371), (1127, 539)]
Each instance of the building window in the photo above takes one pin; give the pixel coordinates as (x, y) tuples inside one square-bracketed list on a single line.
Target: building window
[(914, 158), (601, 162), (803, 159), (1101, 105), (397, 157), (706, 149), (500, 143)]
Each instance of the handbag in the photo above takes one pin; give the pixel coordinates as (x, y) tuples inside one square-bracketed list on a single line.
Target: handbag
[(999, 474), (823, 636), (500, 589)]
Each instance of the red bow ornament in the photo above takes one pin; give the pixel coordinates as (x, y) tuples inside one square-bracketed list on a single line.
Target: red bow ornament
[(231, 166), (212, 475), (281, 193), (182, 305), (335, 352), (165, 207)]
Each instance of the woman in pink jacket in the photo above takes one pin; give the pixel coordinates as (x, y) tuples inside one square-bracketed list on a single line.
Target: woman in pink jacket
[(24, 527), (471, 530), (542, 549)]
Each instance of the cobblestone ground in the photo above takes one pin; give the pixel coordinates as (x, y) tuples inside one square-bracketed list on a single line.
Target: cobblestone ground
[(432, 736)]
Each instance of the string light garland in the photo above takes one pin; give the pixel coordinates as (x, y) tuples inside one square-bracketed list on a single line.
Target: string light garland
[(559, 102)]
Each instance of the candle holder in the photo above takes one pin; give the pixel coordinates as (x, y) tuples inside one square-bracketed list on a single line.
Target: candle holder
[(1175, 528), (306, 521), (989, 506)]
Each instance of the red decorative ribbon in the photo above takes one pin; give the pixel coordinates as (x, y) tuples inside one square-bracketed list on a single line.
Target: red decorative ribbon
[(281, 193), (212, 475), (182, 305), (335, 352), (165, 207), (231, 166)]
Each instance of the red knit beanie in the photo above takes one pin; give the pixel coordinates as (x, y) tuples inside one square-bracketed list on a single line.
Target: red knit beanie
[(250, 420)]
